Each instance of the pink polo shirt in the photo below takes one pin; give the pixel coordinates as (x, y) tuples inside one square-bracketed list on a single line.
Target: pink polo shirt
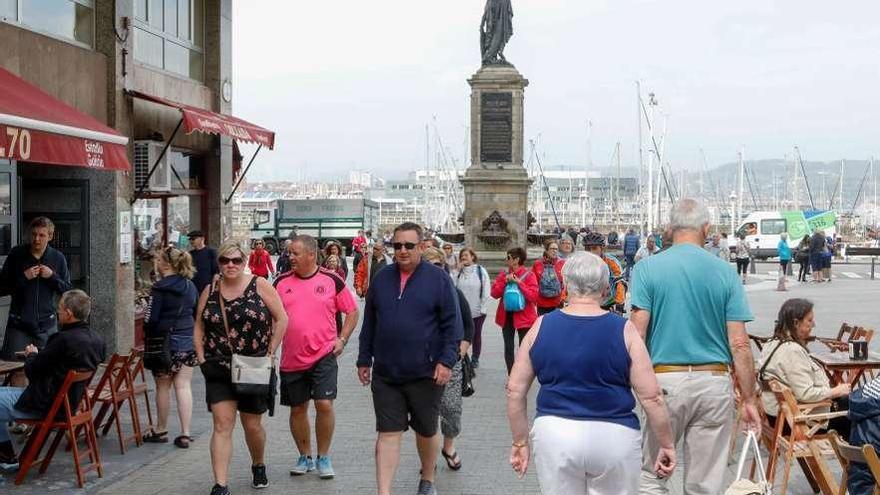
[(311, 305)]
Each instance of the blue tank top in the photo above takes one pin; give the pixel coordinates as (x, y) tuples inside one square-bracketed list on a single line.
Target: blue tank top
[(583, 366)]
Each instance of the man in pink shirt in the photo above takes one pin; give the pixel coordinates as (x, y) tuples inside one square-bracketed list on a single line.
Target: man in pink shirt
[(312, 296)]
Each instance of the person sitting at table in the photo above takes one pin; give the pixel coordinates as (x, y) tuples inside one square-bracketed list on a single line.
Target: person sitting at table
[(864, 413), (785, 358), (74, 347)]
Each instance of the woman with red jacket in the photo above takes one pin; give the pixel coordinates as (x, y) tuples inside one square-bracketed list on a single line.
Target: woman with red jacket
[(260, 262), (520, 321), (551, 293)]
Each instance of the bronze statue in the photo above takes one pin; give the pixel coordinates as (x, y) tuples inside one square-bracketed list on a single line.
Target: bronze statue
[(496, 29)]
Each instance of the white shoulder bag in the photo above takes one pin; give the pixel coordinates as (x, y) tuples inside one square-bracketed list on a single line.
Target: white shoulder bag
[(251, 375), (745, 486)]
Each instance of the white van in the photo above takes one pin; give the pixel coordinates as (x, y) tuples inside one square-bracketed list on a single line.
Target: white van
[(763, 228)]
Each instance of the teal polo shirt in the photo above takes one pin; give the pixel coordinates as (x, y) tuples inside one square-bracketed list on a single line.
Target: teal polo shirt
[(691, 296)]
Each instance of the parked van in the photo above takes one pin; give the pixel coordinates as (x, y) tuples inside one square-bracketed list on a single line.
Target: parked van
[(763, 228)]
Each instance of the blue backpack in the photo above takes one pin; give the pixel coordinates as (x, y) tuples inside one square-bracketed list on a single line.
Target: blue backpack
[(514, 300), (549, 285)]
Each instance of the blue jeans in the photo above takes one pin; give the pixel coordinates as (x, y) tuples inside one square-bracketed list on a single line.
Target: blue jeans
[(630, 261), (8, 397)]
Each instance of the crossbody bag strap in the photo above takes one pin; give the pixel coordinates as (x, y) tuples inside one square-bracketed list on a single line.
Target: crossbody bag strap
[(222, 311), (767, 362)]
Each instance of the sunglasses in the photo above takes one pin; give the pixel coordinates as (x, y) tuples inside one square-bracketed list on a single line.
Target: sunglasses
[(408, 245), (225, 261)]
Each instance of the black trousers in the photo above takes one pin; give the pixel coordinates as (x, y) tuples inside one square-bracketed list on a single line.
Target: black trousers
[(508, 332)]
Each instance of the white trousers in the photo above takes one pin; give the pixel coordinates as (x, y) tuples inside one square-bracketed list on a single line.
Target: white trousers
[(575, 457)]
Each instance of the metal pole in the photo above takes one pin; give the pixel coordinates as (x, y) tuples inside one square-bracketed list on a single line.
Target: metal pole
[(242, 176)]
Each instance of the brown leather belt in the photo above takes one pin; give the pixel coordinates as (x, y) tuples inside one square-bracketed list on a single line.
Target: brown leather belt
[(679, 368)]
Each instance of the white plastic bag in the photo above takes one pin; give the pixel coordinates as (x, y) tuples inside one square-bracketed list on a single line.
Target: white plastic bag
[(745, 486)]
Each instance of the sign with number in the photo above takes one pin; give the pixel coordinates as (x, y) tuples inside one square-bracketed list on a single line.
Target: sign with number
[(18, 144), (37, 146)]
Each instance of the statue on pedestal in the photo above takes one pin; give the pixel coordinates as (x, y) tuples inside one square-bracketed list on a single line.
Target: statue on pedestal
[(496, 29)]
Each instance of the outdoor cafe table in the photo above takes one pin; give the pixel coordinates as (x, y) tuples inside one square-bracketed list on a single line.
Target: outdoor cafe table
[(7, 368), (840, 368)]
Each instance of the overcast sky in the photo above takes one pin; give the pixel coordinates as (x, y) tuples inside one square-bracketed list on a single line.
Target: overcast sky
[(352, 84)]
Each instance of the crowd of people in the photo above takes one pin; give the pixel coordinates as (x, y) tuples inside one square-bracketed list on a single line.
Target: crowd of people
[(421, 338)]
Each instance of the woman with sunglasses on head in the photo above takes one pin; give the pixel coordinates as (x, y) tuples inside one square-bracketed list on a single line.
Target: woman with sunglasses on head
[(450, 405), (510, 320), (238, 314), (170, 312), (260, 262)]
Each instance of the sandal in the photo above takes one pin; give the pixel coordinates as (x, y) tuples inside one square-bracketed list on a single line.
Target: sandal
[(452, 460), (156, 437), (183, 441)]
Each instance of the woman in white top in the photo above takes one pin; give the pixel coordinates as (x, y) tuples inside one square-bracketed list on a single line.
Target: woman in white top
[(474, 282), (743, 256)]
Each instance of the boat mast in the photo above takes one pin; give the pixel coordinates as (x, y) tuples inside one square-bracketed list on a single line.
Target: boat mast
[(739, 198), (642, 218)]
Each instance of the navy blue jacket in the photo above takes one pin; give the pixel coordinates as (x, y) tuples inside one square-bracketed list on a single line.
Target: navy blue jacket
[(404, 335), (205, 263), (32, 309), (171, 308), (864, 414), (631, 244), (73, 347)]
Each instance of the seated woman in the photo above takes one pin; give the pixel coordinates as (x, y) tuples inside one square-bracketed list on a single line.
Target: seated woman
[(786, 359), (589, 361)]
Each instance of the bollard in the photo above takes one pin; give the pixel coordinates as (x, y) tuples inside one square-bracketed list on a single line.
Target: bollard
[(789, 271), (752, 269), (873, 259)]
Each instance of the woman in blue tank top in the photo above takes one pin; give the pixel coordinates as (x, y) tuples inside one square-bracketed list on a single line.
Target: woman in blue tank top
[(586, 437)]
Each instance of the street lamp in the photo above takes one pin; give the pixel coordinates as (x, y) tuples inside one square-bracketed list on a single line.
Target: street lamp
[(733, 218)]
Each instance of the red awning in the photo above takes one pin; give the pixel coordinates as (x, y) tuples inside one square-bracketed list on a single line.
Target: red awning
[(199, 119), (36, 127)]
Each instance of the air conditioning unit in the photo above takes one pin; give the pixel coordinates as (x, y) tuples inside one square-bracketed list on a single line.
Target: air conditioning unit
[(145, 154)]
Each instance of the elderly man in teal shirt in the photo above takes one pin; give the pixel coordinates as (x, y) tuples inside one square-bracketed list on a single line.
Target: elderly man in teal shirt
[(691, 309)]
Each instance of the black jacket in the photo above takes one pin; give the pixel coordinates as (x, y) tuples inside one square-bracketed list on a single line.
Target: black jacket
[(171, 308), (864, 414), (205, 263), (32, 309), (74, 347)]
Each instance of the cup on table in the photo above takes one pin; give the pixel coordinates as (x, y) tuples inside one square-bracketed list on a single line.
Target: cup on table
[(858, 350)]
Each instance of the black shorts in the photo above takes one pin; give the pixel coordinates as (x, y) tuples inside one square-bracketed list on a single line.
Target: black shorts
[(218, 388), (315, 383), (399, 405)]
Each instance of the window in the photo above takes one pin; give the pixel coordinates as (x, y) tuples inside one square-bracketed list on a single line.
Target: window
[(169, 34), (72, 20), (773, 226)]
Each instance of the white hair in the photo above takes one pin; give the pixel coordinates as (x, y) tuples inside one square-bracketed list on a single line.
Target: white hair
[(688, 214), (585, 274), (783, 236)]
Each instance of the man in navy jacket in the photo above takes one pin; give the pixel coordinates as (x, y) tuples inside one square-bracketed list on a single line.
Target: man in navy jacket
[(409, 340)]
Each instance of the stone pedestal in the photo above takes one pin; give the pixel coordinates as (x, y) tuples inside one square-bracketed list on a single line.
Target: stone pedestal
[(496, 186)]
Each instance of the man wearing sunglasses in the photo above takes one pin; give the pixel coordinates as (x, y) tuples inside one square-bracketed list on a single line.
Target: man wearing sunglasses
[(408, 345)]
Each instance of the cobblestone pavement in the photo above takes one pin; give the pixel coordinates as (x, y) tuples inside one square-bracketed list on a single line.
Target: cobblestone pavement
[(484, 444)]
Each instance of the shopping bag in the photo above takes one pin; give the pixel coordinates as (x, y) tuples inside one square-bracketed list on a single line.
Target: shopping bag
[(745, 486)]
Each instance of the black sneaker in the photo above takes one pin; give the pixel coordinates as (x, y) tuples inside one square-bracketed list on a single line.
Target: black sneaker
[(220, 490), (8, 464), (426, 488), (260, 478)]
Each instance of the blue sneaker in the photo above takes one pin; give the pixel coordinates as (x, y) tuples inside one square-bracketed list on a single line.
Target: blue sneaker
[(305, 464), (325, 467)]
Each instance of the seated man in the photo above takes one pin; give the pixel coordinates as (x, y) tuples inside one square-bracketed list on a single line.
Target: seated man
[(74, 347), (864, 407)]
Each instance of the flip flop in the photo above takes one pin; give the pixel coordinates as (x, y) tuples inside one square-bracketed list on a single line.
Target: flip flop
[(183, 441), (452, 460)]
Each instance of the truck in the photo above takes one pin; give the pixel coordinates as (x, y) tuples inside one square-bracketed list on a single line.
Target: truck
[(323, 219), (763, 228)]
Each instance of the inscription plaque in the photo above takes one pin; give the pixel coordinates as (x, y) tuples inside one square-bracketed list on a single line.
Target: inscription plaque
[(496, 127)]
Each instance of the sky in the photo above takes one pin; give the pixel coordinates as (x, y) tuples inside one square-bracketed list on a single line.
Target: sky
[(353, 84)]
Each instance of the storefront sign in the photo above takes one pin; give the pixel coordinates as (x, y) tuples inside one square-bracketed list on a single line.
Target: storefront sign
[(125, 248), (56, 149)]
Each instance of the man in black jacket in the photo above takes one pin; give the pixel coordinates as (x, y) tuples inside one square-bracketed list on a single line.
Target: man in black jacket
[(34, 275), (204, 260), (74, 347)]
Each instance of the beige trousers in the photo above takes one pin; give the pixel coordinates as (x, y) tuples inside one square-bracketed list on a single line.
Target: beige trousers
[(701, 411)]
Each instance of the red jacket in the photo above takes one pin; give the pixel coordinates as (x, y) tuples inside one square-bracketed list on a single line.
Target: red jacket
[(538, 270), (260, 263), (529, 287)]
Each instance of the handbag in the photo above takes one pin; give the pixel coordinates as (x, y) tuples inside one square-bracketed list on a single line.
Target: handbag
[(745, 486), (251, 375), (467, 377), (514, 299)]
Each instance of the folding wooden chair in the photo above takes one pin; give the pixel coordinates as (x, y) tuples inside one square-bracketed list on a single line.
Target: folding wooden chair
[(113, 390), (139, 383), (803, 442), (848, 454), (844, 336), (76, 417)]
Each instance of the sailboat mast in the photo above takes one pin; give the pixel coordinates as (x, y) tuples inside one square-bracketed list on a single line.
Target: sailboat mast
[(739, 198), (641, 151)]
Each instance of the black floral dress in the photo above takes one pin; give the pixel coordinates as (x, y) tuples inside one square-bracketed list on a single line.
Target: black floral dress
[(250, 326)]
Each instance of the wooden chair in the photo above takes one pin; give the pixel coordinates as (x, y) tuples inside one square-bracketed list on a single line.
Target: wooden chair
[(75, 417), (848, 454), (112, 391), (139, 383), (862, 333), (803, 442), (844, 336)]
